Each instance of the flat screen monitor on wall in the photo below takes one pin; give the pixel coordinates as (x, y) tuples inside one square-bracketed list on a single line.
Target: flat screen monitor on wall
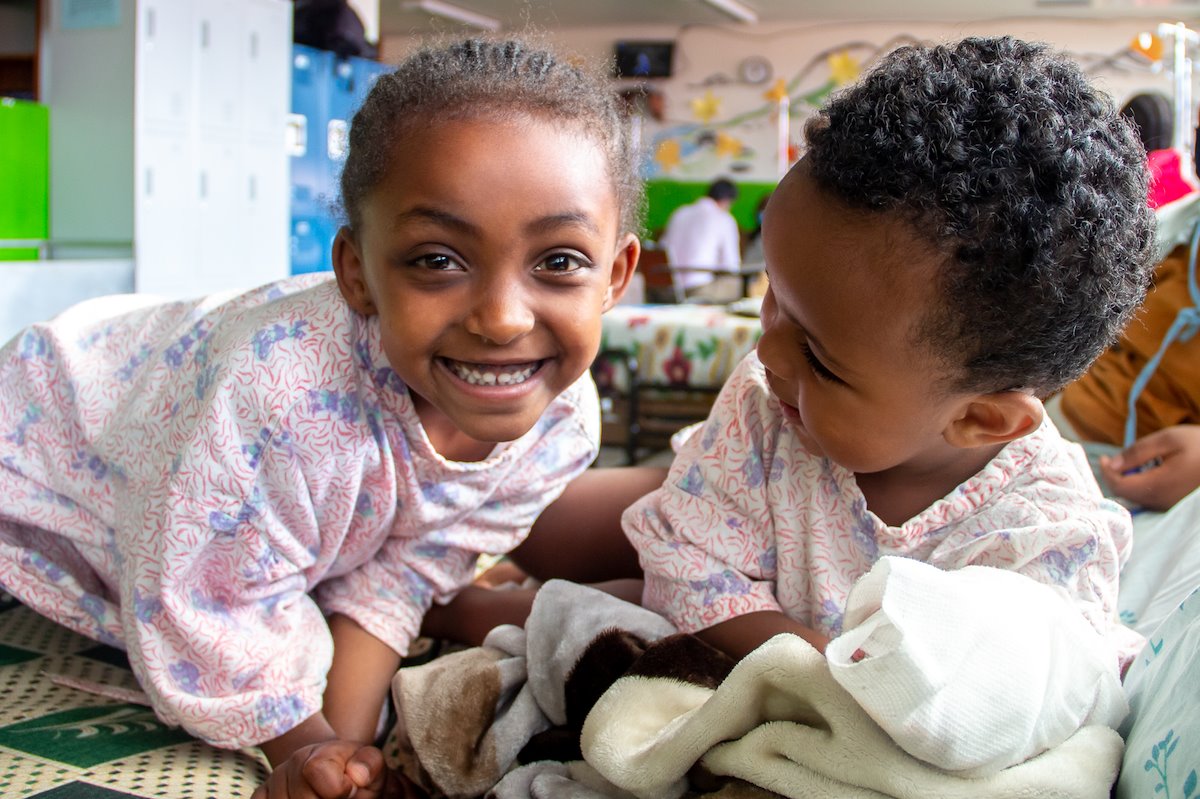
[(644, 59)]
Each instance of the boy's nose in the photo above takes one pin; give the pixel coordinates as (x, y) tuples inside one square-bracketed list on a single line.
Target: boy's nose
[(500, 314)]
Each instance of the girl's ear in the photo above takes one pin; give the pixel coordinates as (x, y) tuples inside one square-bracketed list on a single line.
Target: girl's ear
[(350, 272), (624, 263), (997, 418)]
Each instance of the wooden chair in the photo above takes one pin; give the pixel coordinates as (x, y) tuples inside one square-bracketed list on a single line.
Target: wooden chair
[(659, 280), (663, 280), (645, 415)]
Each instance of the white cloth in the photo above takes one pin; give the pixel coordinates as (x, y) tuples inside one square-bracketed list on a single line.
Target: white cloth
[(779, 721), (973, 670), (1164, 568), (701, 234)]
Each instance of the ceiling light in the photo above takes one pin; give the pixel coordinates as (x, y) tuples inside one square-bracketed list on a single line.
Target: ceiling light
[(439, 8), (736, 9)]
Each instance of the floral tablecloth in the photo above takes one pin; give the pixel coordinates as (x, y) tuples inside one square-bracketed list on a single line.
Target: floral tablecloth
[(680, 346)]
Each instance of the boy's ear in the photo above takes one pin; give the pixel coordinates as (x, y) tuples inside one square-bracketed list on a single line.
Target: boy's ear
[(351, 275), (624, 263), (996, 418)]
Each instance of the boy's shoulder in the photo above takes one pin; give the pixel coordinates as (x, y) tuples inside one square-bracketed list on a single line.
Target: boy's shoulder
[(1044, 478)]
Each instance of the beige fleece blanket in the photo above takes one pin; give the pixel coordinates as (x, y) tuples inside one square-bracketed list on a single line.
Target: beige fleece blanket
[(599, 698)]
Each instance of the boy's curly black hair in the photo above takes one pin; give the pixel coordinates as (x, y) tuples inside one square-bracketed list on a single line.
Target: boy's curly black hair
[(1004, 157)]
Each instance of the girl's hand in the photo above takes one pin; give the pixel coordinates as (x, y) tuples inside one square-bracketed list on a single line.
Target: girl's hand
[(336, 770), (1159, 469)]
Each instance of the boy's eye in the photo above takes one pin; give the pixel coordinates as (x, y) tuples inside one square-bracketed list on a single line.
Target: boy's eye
[(819, 369), (437, 262), (562, 263)]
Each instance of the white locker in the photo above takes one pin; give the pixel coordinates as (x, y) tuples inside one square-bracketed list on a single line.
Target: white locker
[(209, 85)]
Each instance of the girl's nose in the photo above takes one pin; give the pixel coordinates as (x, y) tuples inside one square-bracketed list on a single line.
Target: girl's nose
[(499, 313)]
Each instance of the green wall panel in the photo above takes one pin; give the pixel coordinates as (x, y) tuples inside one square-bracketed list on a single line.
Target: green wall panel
[(664, 196), (24, 175)]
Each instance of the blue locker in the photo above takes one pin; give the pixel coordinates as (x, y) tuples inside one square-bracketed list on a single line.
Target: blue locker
[(366, 72), (312, 190), (326, 91), (311, 71)]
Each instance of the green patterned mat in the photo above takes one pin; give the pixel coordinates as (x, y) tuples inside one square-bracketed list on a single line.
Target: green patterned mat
[(62, 743)]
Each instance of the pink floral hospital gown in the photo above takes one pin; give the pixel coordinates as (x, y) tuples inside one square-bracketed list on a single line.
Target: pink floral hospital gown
[(748, 521), (176, 481)]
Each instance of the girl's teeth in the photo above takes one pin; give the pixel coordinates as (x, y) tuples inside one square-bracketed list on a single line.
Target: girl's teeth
[(484, 376)]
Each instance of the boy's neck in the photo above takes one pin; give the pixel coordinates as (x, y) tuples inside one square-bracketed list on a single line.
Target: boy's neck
[(897, 495)]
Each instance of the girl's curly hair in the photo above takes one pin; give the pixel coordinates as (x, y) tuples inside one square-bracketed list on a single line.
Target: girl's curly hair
[(481, 78), (1005, 158)]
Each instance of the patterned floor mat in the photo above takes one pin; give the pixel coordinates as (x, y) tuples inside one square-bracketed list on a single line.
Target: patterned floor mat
[(61, 743)]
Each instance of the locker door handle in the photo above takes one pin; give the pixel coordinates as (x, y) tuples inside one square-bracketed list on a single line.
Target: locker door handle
[(336, 142)]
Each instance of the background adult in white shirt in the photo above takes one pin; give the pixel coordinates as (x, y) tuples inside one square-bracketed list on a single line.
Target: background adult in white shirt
[(705, 234)]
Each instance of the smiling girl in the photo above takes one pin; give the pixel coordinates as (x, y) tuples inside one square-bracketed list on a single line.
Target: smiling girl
[(260, 496)]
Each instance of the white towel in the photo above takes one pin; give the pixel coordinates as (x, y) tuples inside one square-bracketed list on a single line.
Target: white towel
[(973, 670)]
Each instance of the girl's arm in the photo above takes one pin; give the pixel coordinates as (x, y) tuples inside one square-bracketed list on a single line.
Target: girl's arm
[(741, 635), (358, 683), (331, 752), (471, 615), (360, 678), (578, 537)]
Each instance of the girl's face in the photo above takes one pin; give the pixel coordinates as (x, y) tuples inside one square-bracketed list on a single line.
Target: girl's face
[(488, 252)]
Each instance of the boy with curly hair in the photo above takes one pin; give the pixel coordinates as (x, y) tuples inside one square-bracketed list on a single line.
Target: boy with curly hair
[(965, 233)]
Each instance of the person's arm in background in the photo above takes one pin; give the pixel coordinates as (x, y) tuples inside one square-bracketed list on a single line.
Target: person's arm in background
[(730, 255), (578, 537), (1160, 468)]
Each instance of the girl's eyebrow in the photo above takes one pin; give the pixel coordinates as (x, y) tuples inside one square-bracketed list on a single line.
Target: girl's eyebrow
[(544, 224), (553, 222), (423, 213)]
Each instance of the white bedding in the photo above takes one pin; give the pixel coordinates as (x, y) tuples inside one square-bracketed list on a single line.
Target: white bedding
[(1165, 565)]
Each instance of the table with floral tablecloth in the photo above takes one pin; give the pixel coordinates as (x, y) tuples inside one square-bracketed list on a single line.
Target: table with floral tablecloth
[(673, 357), (681, 346)]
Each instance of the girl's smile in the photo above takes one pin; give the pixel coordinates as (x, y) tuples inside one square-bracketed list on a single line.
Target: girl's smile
[(499, 375)]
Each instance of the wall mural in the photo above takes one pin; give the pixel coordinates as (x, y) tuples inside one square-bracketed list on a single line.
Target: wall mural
[(748, 125)]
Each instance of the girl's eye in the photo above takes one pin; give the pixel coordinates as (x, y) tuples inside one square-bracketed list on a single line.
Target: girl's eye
[(819, 369), (563, 263), (436, 262)]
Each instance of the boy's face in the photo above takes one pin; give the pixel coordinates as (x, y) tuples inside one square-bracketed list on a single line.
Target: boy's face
[(488, 252), (847, 291)]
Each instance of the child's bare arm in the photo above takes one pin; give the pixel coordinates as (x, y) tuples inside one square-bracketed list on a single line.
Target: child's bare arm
[(476, 610), (330, 754), (579, 537), (471, 615), (359, 680), (741, 635)]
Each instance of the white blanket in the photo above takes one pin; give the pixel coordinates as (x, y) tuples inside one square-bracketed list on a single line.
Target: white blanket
[(1002, 666), (781, 722)]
